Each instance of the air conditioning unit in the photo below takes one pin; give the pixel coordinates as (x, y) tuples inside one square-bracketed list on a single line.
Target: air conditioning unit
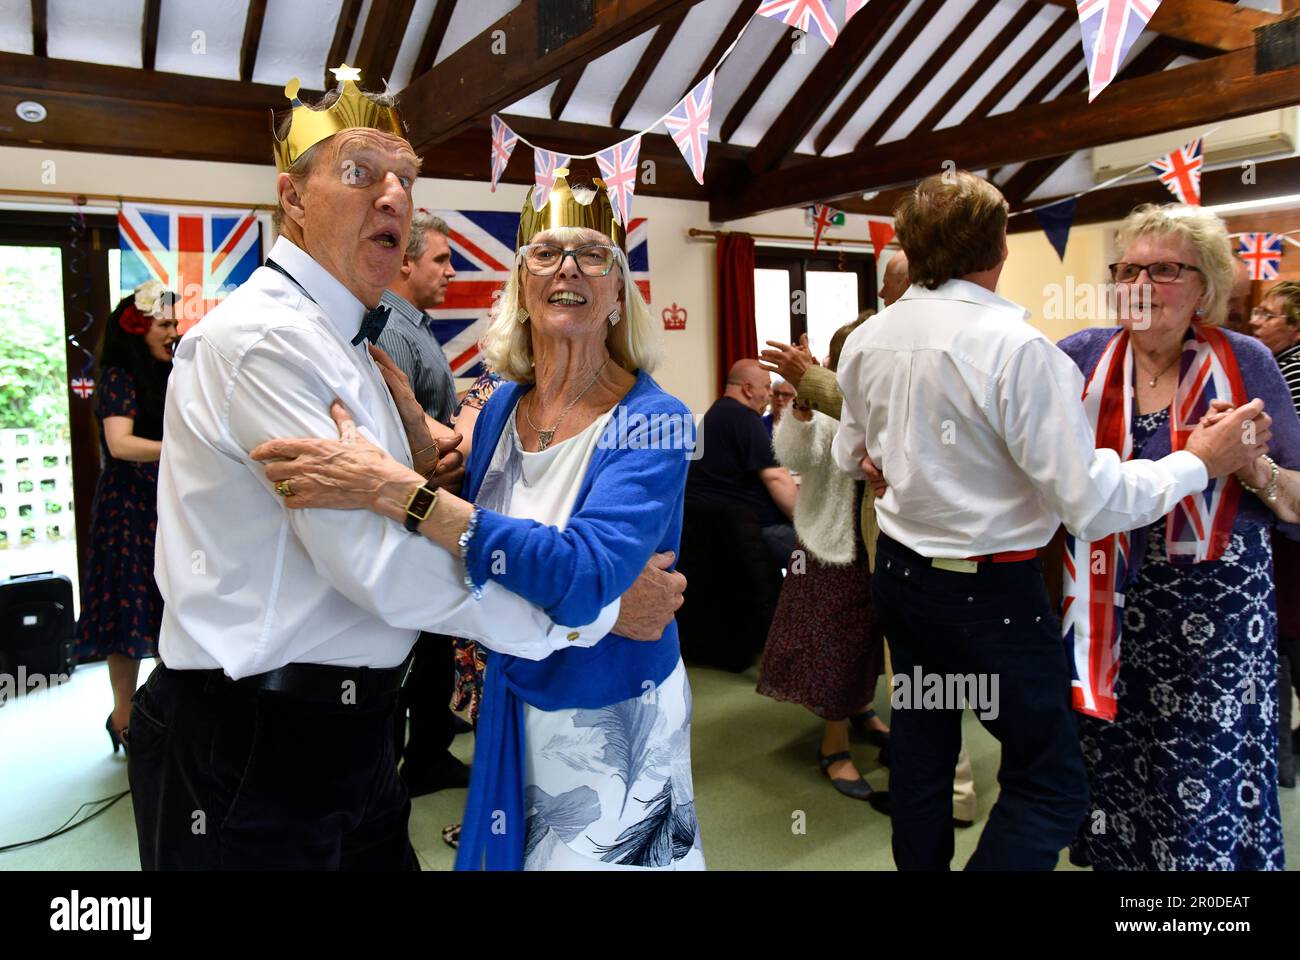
[(1254, 137)]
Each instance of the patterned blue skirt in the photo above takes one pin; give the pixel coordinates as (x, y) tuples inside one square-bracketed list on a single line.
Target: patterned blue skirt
[(1186, 776)]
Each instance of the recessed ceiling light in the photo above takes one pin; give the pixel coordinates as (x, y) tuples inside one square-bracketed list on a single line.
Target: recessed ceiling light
[(31, 111)]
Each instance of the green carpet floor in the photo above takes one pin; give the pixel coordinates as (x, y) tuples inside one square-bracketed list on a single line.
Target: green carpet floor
[(762, 803)]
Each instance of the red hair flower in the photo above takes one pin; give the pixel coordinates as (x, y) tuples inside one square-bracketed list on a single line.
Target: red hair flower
[(135, 322)]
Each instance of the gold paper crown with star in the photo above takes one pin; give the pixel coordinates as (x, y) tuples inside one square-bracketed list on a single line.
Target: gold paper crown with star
[(563, 209), (352, 110)]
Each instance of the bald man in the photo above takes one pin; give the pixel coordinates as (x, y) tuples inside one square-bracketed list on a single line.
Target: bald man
[(1238, 318), (737, 465)]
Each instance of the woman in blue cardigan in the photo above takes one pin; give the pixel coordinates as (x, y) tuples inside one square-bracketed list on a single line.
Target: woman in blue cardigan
[(574, 480)]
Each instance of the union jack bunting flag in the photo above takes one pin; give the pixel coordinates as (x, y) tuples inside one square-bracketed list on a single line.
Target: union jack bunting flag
[(1180, 171), (1262, 253), (503, 144), (688, 124), (83, 387), (199, 254), (810, 16), (853, 7), (1109, 29), (545, 163), (618, 168), (822, 217), (483, 253)]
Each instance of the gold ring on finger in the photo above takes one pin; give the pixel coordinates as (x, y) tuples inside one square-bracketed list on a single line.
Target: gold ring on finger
[(283, 489)]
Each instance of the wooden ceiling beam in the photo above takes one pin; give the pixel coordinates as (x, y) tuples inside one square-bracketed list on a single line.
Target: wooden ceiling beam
[(732, 30), (896, 50), (344, 29), (1216, 89), (1216, 24), (1013, 28), (252, 37), (381, 38), (651, 58), (433, 37), (468, 85), (1030, 59), (564, 90), (776, 59), (149, 34), (40, 29), (833, 71), (938, 58)]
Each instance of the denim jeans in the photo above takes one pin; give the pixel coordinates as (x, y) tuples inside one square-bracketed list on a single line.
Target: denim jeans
[(996, 625)]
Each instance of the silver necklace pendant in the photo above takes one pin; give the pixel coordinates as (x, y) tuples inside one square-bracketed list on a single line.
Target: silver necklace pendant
[(544, 438)]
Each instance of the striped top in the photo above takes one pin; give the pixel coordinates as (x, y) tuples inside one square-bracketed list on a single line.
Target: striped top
[(417, 353), (1289, 363)]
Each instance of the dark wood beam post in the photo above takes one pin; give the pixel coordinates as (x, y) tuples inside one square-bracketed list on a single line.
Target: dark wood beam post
[(252, 37), (342, 42)]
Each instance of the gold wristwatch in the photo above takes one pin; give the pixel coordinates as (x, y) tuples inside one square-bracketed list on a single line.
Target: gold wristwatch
[(419, 505)]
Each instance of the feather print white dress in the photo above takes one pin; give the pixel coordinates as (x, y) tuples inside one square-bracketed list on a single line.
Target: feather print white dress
[(605, 789)]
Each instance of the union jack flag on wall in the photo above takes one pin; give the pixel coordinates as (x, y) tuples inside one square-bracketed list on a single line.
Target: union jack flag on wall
[(200, 254), (483, 253)]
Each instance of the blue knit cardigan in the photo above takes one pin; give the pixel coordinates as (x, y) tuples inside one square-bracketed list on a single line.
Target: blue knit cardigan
[(628, 507)]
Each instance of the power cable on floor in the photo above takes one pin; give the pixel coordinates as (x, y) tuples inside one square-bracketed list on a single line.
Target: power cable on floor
[(68, 825)]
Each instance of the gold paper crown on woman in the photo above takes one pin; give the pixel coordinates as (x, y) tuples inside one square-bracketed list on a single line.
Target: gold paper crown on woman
[(563, 209), (352, 110)]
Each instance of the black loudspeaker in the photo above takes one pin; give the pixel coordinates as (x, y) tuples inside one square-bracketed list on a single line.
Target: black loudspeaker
[(37, 629)]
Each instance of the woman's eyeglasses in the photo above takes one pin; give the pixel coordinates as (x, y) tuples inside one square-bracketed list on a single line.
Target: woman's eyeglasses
[(1162, 271), (544, 259), (1263, 316)]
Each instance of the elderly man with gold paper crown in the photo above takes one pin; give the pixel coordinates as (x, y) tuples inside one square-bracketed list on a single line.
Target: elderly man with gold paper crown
[(575, 479), (263, 738)]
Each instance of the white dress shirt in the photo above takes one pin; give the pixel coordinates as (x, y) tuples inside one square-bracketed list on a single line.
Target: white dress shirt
[(976, 420), (250, 585)]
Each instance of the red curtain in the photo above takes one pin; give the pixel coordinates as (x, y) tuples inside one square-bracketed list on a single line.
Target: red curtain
[(737, 336)]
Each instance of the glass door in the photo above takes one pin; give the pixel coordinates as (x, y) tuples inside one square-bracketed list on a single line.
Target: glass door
[(37, 518)]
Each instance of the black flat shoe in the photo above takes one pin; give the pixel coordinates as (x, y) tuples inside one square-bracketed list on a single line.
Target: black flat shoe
[(117, 736), (858, 724), (858, 789)]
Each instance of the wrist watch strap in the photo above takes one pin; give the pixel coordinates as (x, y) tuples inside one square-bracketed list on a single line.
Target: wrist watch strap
[(420, 506)]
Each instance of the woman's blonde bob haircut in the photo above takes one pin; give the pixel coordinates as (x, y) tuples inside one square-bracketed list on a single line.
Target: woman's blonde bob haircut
[(508, 344), (1208, 237)]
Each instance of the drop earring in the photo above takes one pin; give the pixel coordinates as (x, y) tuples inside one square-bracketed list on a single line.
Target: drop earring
[(614, 317), (521, 315)]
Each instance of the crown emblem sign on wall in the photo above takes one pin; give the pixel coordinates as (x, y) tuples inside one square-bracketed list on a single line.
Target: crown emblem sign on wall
[(674, 317)]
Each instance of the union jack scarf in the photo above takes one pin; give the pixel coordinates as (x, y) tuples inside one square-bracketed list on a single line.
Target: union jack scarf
[(1197, 529)]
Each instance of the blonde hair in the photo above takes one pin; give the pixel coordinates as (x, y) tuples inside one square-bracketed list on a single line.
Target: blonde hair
[(508, 344), (1208, 237)]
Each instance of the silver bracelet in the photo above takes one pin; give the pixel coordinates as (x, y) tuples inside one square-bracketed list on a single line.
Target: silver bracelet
[(470, 529), (1269, 492)]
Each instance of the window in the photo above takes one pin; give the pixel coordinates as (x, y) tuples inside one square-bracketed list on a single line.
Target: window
[(813, 293)]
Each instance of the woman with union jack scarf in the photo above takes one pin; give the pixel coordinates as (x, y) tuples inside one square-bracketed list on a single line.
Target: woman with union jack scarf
[(1181, 718)]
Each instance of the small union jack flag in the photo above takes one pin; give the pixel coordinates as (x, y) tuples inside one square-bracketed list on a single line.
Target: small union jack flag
[(688, 123), (1109, 29), (853, 7), (503, 144), (618, 168), (822, 217), (545, 164), (83, 387), (810, 16), (1180, 171), (1263, 254)]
